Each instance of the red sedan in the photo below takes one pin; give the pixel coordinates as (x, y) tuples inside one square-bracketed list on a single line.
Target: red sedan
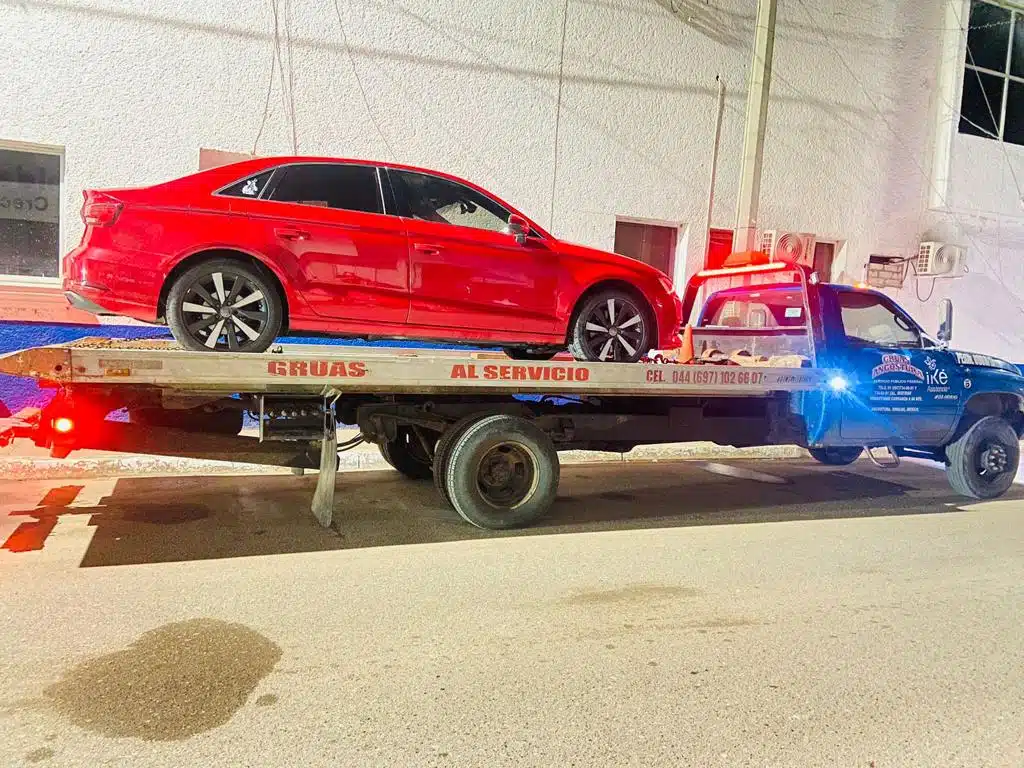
[(233, 257)]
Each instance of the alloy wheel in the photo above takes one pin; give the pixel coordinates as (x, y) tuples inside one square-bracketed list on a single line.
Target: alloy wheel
[(225, 311), (614, 330)]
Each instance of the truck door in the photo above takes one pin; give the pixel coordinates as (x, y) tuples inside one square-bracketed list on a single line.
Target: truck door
[(903, 392)]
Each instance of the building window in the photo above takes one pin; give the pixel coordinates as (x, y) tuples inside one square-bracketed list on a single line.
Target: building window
[(653, 244), (29, 212), (992, 104)]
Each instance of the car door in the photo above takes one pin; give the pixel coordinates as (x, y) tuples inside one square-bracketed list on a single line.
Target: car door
[(464, 270), (349, 257), (904, 392)]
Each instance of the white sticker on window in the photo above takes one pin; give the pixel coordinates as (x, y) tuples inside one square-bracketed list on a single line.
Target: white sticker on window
[(794, 311), (250, 187)]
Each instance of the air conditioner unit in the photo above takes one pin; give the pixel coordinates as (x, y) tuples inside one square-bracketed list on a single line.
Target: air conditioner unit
[(935, 259), (788, 247)]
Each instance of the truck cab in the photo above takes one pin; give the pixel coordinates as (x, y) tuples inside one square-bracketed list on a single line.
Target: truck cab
[(890, 383)]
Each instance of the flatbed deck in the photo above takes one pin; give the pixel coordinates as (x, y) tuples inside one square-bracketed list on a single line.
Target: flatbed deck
[(325, 370)]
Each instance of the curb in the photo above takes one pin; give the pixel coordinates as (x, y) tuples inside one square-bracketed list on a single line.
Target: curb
[(365, 458)]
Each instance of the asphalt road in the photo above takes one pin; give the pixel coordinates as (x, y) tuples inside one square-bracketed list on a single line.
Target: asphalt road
[(664, 615)]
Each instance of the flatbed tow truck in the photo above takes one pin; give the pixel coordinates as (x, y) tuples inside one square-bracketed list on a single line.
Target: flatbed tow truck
[(777, 358)]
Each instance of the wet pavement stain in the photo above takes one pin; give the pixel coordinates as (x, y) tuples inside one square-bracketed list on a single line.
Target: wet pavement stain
[(172, 683), (38, 755), (638, 593)]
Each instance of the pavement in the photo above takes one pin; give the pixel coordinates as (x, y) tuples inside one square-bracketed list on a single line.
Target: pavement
[(725, 613), (23, 460)]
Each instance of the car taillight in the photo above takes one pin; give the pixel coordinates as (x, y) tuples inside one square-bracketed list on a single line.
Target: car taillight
[(101, 211)]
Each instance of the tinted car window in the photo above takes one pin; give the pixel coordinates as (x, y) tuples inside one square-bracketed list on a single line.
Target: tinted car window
[(432, 198), (345, 187), (249, 187), (870, 321)]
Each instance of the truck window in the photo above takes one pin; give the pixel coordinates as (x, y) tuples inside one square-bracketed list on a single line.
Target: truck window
[(870, 321), (770, 309)]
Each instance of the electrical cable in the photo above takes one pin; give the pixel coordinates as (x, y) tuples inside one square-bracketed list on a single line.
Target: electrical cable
[(266, 103), (359, 82), (558, 113)]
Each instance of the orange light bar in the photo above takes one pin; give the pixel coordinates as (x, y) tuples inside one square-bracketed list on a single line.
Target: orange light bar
[(63, 425), (776, 266)]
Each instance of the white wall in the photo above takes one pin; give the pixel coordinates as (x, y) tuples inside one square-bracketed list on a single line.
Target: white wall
[(132, 90)]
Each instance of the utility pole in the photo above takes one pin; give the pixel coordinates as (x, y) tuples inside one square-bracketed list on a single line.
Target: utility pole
[(745, 238)]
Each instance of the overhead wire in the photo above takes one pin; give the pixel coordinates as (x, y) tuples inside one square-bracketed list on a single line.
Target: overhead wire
[(558, 113), (359, 82)]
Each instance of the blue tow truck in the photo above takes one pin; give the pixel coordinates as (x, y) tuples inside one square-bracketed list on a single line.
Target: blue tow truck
[(890, 385), (776, 358)]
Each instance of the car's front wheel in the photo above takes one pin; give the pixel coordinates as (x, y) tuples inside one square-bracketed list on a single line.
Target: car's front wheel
[(224, 306), (611, 326)]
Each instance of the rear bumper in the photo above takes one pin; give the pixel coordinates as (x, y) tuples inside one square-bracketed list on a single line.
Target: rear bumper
[(109, 282), (80, 302)]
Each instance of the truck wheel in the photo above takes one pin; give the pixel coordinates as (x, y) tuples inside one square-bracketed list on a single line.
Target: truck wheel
[(502, 473), (443, 451), (611, 326), (983, 460), (225, 421), (406, 454), (835, 457), (224, 305)]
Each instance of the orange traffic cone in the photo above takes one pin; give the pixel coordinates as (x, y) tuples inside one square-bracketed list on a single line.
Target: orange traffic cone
[(686, 350)]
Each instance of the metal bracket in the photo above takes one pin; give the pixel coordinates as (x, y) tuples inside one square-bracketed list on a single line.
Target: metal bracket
[(891, 464), (323, 495)]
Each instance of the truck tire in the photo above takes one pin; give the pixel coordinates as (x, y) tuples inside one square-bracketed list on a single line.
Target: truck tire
[(502, 473), (983, 461), (406, 454), (220, 422), (443, 451), (835, 457)]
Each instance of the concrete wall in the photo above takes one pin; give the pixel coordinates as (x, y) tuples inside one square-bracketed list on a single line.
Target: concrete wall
[(613, 118)]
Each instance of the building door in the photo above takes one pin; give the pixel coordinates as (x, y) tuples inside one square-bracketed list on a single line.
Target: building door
[(653, 244)]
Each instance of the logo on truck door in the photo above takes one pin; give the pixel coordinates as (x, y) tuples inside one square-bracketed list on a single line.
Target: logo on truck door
[(896, 364)]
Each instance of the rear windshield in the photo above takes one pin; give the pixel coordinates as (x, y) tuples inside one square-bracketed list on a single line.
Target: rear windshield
[(757, 309)]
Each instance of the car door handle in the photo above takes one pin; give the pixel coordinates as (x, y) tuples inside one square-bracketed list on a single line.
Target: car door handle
[(427, 249), (288, 233)]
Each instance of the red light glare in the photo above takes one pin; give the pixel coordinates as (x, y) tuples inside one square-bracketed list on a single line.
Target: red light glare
[(63, 425)]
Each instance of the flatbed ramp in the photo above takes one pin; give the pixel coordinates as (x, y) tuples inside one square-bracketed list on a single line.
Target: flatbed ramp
[(323, 370)]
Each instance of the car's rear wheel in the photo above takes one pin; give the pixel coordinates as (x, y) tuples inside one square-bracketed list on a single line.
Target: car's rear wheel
[(224, 306), (612, 326)]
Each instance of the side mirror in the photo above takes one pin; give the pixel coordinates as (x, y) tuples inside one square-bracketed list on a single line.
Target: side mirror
[(518, 227), (945, 333)]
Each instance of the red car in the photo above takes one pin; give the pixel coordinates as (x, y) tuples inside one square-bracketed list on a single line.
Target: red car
[(233, 257)]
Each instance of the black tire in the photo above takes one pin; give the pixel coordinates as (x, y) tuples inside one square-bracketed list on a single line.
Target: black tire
[(406, 454), (836, 457), (605, 328), (220, 422), (502, 473), (443, 450), (530, 353), (218, 296), (983, 461)]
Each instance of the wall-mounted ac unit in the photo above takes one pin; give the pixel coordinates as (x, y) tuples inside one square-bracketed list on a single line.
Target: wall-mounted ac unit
[(935, 259), (788, 247)]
